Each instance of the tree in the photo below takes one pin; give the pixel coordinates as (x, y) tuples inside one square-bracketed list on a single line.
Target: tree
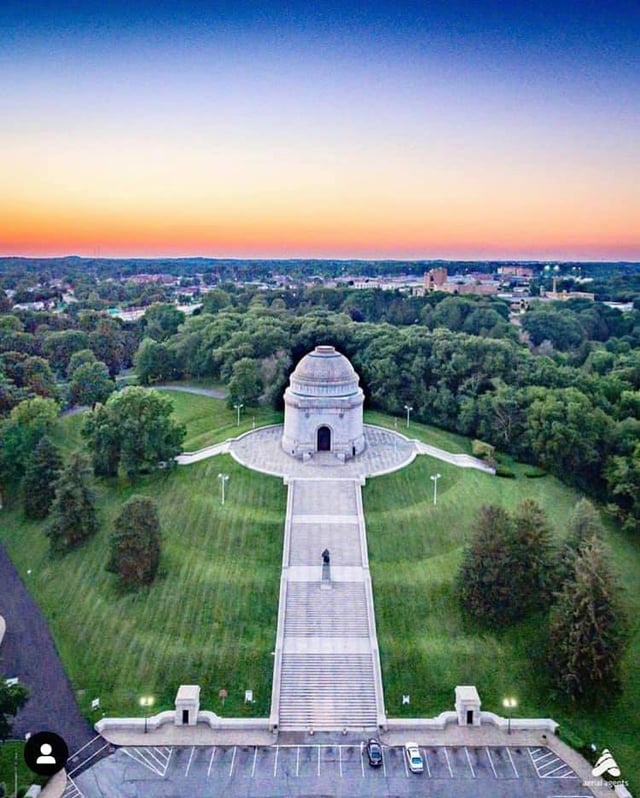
[(534, 558), (215, 300), (508, 570), (103, 435), (135, 543), (73, 512), (133, 428), (588, 630), (12, 699), (60, 346), (154, 361), (39, 479), (90, 384), (246, 383), (38, 377), (161, 321), (107, 343), (567, 434), (623, 478), (19, 434), (484, 584), (78, 359), (584, 524)]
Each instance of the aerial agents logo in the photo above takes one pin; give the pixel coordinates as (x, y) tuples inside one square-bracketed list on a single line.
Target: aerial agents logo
[(606, 764)]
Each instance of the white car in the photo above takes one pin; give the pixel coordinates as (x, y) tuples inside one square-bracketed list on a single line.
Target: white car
[(414, 758)]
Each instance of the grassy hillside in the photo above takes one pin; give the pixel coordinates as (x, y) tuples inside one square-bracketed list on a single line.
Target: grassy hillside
[(427, 647), (210, 618)]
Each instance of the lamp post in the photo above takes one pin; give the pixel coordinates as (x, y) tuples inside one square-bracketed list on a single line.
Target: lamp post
[(238, 408), (408, 408), (509, 704), (434, 479), (223, 479), (146, 702)]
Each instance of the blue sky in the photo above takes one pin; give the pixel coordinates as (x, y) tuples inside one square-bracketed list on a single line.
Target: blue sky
[(425, 129)]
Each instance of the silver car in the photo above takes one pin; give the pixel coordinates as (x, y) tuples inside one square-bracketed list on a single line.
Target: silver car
[(414, 758)]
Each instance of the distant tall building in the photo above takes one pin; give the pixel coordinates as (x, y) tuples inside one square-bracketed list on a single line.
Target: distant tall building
[(435, 279), (479, 284)]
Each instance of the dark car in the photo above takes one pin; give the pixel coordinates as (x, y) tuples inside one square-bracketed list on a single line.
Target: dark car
[(374, 753)]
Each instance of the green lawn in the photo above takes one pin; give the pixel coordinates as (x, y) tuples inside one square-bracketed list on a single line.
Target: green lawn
[(210, 618), (10, 756), (211, 421), (426, 646)]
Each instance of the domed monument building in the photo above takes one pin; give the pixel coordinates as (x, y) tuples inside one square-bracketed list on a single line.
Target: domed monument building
[(323, 407)]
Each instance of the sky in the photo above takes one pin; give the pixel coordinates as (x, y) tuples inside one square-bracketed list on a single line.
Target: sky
[(409, 130)]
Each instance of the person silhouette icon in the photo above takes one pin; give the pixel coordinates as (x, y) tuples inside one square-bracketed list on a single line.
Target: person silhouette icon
[(45, 757), (45, 753)]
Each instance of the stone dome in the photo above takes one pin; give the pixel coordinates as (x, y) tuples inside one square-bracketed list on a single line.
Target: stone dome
[(324, 372)]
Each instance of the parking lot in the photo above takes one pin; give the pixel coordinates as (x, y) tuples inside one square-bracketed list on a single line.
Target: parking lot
[(329, 770)]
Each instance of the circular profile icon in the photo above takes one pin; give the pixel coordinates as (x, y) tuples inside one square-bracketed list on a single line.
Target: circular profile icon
[(45, 753)]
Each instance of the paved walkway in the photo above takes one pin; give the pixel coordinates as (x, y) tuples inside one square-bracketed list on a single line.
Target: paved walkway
[(28, 652), (214, 393), (327, 666), (261, 450), (385, 451)]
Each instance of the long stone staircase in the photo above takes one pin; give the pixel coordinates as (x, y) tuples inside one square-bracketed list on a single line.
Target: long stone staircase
[(327, 669)]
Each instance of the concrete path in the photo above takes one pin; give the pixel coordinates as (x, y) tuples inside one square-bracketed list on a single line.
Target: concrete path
[(28, 652), (327, 666), (214, 393), (385, 451), (460, 460), (260, 450), (186, 458)]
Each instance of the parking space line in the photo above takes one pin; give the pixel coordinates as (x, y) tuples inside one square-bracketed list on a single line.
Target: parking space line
[(318, 761), (362, 759), (297, 761), (426, 761), (213, 753), (139, 758), (544, 756), (491, 763), (255, 757), (473, 773), (448, 763), (155, 754), (340, 759), (233, 759), (512, 764), (384, 766), (166, 767), (275, 764), (555, 770), (548, 764), (404, 759), (193, 750)]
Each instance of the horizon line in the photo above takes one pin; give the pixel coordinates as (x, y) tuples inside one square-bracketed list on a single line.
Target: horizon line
[(357, 259)]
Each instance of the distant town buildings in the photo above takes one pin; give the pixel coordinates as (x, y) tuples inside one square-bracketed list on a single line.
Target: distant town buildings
[(477, 283)]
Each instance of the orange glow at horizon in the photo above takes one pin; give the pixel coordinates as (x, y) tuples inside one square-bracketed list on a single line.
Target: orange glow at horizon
[(315, 229)]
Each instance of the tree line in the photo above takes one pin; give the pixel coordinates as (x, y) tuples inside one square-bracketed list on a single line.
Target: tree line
[(576, 417)]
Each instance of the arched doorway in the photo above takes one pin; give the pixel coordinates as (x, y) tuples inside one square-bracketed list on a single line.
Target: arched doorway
[(324, 439)]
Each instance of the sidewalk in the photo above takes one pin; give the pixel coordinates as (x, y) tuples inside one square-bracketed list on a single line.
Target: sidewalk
[(200, 735)]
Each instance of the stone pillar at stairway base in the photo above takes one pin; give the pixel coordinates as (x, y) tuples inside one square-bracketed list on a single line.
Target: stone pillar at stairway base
[(467, 705)]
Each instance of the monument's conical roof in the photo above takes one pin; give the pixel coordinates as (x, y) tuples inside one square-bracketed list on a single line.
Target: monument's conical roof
[(324, 372)]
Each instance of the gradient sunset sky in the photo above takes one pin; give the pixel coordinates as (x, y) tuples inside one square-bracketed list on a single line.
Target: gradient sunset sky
[(405, 130)]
